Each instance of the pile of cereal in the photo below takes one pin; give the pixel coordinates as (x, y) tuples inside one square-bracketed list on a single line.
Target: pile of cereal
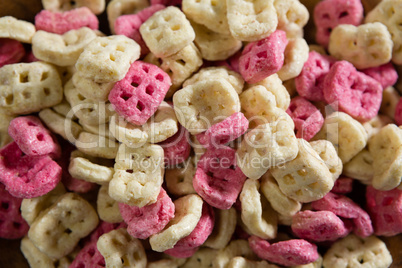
[(202, 133)]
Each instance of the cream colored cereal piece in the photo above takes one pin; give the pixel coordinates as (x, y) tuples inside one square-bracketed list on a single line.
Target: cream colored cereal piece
[(126, 132), (212, 73), (4, 123), (290, 87), (63, 108), (285, 220), (203, 258), (360, 167), (292, 17), (188, 211), (58, 124), (215, 46), (234, 249), (61, 50), (138, 175), (96, 145), (386, 149), (83, 169), (179, 180), (266, 146), (31, 208), (96, 6), (167, 32), (13, 28), (58, 229), (306, 178), (168, 262), (240, 262), (390, 98), (66, 73), (205, 103), (162, 125), (35, 258), (327, 153), (29, 87), (365, 46), (316, 264), (90, 89), (225, 225), (107, 59), (101, 130), (389, 13), (346, 134), (210, 13), (251, 20), (317, 48), (373, 126), (121, 250), (296, 54), (279, 201), (117, 8), (256, 212), (107, 207), (353, 251)]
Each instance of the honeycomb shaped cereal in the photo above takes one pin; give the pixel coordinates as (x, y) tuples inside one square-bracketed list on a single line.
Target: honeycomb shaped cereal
[(203, 258), (84, 169), (127, 133), (34, 256), (166, 262), (13, 28), (235, 248), (162, 125), (121, 250), (97, 146), (96, 6), (385, 74), (251, 21), (5, 122), (107, 207), (58, 229), (177, 148), (225, 224), (365, 46), (240, 262), (90, 89), (296, 54), (138, 175), (353, 251), (107, 59), (179, 180), (292, 17), (11, 51), (167, 32), (89, 256), (117, 8), (29, 87), (327, 153), (360, 167)]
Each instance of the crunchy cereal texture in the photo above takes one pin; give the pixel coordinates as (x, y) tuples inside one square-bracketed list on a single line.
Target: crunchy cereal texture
[(13, 28), (117, 8), (126, 132), (162, 125), (5, 122), (97, 146), (96, 6), (225, 224), (327, 153), (296, 54), (179, 180), (234, 249), (292, 17), (91, 89), (83, 169)]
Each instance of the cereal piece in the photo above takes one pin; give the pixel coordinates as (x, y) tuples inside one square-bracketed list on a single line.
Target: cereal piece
[(63, 108), (138, 175), (188, 211), (365, 46), (317, 48), (162, 125), (390, 98), (107, 59), (240, 262), (5, 122), (29, 87), (290, 252), (139, 94), (89, 256), (235, 248), (225, 131), (101, 130), (62, 22), (90, 89), (203, 258), (127, 133), (279, 201), (389, 13), (96, 6), (166, 2), (398, 112), (296, 54), (218, 180), (103, 228), (58, 229), (307, 118), (263, 58), (251, 21), (34, 257), (386, 148), (316, 264), (168, 262), (205, 102), (225, 224), (310, 82), (330, 13), (96, 145), (327, 153), (354, 251), (108, 208), (376, 124), (121, 250), (179, 180), (346, 134), (176, 148), (385, 74), (11, 51), (13, 28), (214, 46), (343, 185), (318, 226), (167, 32), (148, 220), (292, 17), (256, 213), (84, 169), (116, 8)]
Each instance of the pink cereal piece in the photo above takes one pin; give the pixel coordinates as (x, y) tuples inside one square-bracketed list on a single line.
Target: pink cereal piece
[(188, 245), (344, 207), (27, 176), (330, 13), (62, 22), (385, 74), (225, 131), (287, 253), (318, 226), (32, 137), (310, 82), (103, 228), (11, 51), (343, 185), (166, 2), (398, 112), (146, 221), (352, 92), (137, 96), (385, 208), (89, 257), (307, 118), (12, 225), (263, 58), (176, 148), (218, 179)]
